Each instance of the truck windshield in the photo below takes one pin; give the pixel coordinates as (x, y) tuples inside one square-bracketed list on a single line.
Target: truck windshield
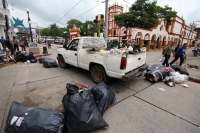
[(94, 42)]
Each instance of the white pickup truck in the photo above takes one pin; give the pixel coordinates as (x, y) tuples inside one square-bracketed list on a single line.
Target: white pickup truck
[(101, 64)]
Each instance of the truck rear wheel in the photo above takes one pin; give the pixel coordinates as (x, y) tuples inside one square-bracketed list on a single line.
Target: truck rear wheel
[(98, 74), (61, 62)]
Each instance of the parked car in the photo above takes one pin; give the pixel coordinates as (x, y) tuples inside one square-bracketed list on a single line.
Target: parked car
[(101, 64)]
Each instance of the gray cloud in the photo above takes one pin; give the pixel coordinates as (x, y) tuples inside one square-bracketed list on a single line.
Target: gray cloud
[(46, 12)]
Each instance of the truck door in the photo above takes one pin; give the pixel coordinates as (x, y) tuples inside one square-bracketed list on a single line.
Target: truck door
[(71, 55)]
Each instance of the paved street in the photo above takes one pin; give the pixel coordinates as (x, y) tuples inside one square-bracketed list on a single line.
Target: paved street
[(141, 107)]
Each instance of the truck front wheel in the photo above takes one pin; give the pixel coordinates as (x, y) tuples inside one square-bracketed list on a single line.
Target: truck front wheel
[(61, 62), (98, 74)]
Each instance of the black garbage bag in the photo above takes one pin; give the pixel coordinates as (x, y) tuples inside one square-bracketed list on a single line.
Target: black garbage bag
[(193, 66), (154, 67), (50, 63), (19, 56), (156, 75), (81, 113), (28, 56), (180, 69), (25, 119), (103, 96), (43, 58)]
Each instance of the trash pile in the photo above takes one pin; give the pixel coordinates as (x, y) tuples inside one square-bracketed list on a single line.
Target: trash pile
[(83, 112), (170, 75), (48, 62), (26, 57), (129, 50)]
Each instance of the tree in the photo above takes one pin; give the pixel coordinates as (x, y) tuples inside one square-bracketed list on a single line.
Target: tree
[(90, 28), (145, 14), (54, 30)]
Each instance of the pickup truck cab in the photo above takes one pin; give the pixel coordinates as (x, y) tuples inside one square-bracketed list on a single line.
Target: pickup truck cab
[(101, 64)]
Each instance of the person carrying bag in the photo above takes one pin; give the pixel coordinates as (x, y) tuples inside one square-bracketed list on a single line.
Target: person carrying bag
[(23, 45)]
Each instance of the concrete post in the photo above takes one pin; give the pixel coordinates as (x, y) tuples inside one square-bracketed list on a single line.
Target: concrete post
[(154, 45), (106, 20), (164, 46), (148, 45), (159, 45), (141, 43)]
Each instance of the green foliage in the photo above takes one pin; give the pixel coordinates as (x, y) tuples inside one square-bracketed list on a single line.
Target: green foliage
[(87, 29), (145, 14)]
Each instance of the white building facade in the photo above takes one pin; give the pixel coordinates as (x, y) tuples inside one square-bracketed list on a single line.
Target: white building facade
[(157, 37)]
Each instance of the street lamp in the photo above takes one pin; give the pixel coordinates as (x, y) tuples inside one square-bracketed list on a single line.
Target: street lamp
[(29, 21), (65, 35)]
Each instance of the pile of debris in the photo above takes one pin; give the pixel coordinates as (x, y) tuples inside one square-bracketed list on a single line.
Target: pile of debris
[(129, 50), (170, 75), (83, 112), (23, 56)]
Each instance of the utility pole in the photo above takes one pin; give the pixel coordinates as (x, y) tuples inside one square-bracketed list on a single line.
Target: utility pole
[(106, 20), (6, 19)]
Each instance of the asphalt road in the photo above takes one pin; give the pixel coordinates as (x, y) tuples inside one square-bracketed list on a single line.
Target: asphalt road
[(141, 107)]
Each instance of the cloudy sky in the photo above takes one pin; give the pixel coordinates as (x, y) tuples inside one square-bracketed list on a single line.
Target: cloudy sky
[(46, 12)]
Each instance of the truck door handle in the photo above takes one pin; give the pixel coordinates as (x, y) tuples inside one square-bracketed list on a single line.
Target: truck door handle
[(139, 58), (75, 54)]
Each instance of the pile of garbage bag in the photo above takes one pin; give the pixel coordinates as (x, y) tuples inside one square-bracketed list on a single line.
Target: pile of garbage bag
[(25, 119), (83, 110), (24, 56), (170, 75), (48, 62), (156, 73)]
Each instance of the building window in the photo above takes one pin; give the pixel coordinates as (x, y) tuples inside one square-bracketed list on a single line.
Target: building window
[(161, 27)]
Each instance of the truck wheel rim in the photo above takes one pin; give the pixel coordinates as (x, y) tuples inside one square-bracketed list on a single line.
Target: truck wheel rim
[(97, 75)]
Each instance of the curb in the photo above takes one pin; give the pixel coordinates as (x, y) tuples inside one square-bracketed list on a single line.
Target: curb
[(194, 79)]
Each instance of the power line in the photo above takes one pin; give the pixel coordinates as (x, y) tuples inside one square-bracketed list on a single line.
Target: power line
[(69, 11), (127, 2), (89, 10)]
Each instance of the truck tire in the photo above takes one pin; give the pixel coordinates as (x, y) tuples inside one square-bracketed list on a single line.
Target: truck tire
[(98, 74), (61, 62)]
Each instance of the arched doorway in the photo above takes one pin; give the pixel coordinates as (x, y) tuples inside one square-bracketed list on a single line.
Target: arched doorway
[(146, 39), (157, 42)]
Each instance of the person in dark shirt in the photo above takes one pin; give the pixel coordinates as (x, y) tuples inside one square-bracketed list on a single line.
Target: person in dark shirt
[(180, 53)]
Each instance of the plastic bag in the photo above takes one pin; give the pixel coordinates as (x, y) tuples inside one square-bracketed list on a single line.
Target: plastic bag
[(81, 113), (154, 67), (103, 96), (180, 69), (50, 63), (43, 58), (162, 59), (178, 78), (169, 69), (25, 119)]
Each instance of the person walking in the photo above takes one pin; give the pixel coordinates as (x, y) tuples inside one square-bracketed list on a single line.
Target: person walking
[(167, 53), (3, 42), (22, 44), (180, 53), (16, 44)]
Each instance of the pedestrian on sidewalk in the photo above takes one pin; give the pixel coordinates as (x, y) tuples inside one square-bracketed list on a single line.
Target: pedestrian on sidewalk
[(16, 44), (167, 53), (3, 42), (180, 53), (22, 44)]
